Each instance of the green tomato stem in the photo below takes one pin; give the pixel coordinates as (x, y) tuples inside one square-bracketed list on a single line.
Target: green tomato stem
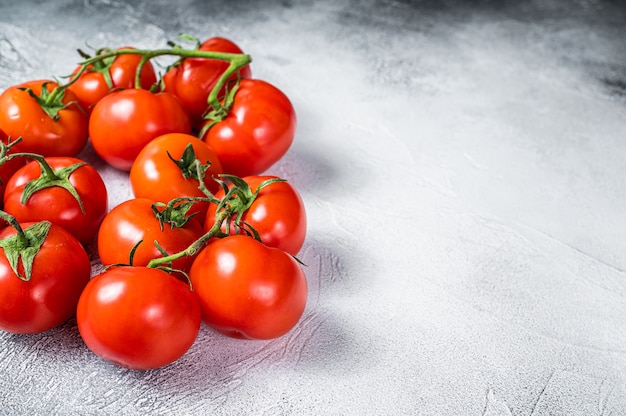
[(236, 61), (21, 236), (46, 169), (193, 248)]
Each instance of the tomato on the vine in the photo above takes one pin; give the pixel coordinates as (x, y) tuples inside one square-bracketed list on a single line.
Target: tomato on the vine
[(54, 201), (248, 290), (257, 131), (47, 296), (135, 222), (123, 122), (48, 119), (277, 214), (192, 79), (167, 160), (109, 74), (138, 317)]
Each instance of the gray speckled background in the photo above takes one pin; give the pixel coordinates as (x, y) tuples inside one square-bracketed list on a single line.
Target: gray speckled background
[(462, 163)]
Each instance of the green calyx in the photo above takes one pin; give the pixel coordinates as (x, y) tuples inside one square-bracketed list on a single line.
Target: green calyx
[(192, 168), (218, 112), (238, 199), (176, 212), (51, 102), (188, 166), (22, 248), (49, 178)]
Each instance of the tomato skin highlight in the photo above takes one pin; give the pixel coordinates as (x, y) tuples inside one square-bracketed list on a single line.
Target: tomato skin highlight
[(133, 221), (91, 85), (22, 116), (193, 78), (56, 204), (123, 122), (153, 168), (61, 270), (138, 317), (248, 290), (257, 132), (277, 214)]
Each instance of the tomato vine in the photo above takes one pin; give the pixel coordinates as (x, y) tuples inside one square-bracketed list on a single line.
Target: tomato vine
[(242, 126)]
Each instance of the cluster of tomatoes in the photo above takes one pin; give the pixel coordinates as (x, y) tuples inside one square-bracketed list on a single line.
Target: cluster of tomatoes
[(206, 238)]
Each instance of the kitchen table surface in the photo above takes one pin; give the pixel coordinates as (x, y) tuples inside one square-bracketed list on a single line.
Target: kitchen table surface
[(462, 166)]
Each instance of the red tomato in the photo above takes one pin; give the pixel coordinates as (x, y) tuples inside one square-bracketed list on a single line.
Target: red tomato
[(21, 115), (257, 132), (138, 317), (55, 203), (277, 214), (248, 290), (193, 78), (123, 122), (133, 221), (92, 86), (153, 168), (60, 271)]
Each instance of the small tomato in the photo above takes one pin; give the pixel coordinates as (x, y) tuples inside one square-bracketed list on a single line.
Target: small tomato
[(138, 317), (48, 297), (166, 160), (257, 131), (248, 290), (134, 221), (123, 122), (56, 203), (31, 111)]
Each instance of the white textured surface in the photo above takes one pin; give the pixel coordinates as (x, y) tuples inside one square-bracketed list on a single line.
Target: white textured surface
[(463, 170)]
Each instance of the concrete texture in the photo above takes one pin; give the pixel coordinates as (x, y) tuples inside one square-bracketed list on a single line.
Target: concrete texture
[(462, 164)]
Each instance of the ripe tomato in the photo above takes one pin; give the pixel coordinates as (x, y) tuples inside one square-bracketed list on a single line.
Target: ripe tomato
[(60, 271), (138, 317), (248, 290), (92, 84), (21, 115), (133, 221), (192, 79), (123, 122), (153, 168), (277, 214), (56, 204), (257, 132)]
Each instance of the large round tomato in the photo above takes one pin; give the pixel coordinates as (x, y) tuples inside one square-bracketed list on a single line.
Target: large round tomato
[(92, 85), (162, 162), (56, 204), (257, 132), (248, 290), (21, 115), (60, 271), (138, 317), (133, 221), (123, 122), (277, 214), (192, 79)]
